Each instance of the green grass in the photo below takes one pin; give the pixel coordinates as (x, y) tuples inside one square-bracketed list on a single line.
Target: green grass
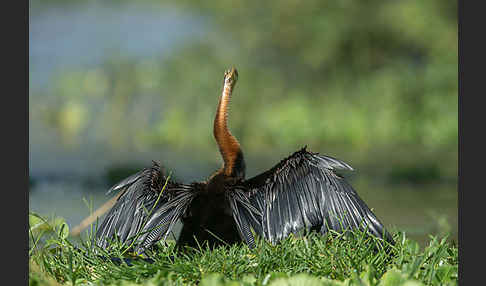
[(334, 259)]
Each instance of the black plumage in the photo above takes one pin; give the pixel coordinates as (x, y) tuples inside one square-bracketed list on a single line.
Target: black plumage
[(301, 193), (146, 211)]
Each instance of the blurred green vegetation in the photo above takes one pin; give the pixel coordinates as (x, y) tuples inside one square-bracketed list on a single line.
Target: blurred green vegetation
[(370, 82)]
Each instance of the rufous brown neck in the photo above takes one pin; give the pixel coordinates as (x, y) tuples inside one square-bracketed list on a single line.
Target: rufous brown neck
[(229, 147)]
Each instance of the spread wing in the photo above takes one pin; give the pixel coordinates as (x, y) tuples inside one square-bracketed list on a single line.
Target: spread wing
[(302, 192), (146, 211)]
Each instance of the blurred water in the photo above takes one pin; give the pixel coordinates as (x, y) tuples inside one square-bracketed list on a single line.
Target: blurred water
[(82, 35)]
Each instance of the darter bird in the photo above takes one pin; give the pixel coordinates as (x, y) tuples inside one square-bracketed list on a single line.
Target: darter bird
[(301, 193)]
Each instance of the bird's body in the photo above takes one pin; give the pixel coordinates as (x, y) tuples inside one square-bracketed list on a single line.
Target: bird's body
[(210, 220), (301, 193)]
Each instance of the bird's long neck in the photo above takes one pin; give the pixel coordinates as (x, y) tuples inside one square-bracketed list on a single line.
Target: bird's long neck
[(228, 145)]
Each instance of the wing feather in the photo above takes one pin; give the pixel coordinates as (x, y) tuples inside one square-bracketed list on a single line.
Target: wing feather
[(146, 211), (301, 193)]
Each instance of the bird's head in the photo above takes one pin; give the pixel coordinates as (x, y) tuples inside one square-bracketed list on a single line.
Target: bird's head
[(230, 77)]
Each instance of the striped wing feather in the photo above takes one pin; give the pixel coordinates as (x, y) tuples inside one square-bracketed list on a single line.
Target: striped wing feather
[(301, 193), (146, 211)]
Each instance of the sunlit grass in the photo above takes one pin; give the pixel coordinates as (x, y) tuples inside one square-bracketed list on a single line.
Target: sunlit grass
[(334, 259)]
